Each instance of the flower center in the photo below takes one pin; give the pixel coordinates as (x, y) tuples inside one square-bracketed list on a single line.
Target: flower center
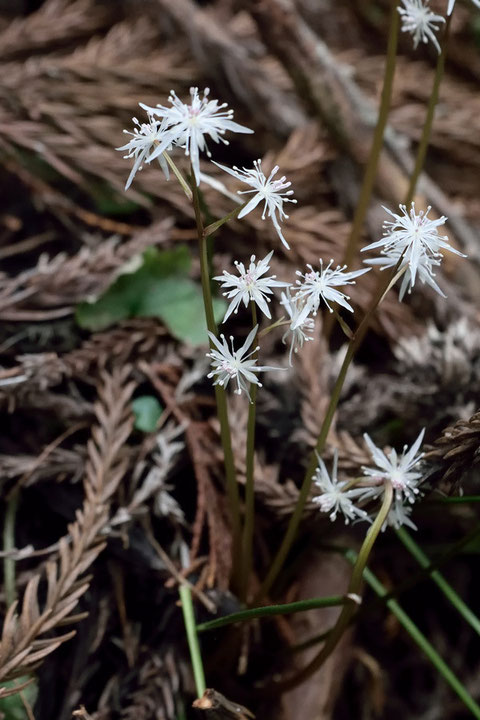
[(229, 368)]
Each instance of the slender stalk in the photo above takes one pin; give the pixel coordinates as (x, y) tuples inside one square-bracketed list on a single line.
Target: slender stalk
[(192, 637), (233, 495), (213, 227), (179, 176), (457, 602), (249, 521), (377, 143), (427, 128), (269, 610), (296, 517), (354, 588), (9, 544), (419, 638)]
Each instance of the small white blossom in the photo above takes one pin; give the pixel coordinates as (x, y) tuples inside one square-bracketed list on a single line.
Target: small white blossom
[(414, 236), (249, 285), (399, 471), (234, 364), (334, 498), (273, 193), (297, 330), (424, 270), (188, 125), (145, 137), (451, 3), (322, 285), (420, 22), (400, 514)]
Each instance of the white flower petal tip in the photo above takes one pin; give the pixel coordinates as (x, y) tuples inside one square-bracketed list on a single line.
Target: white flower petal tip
[(318, 285), (188, 125), (145, 139), (236, 365), (273, 193), (420, 22), (413, 237), (335, 498), (399, 471), (249, 285)]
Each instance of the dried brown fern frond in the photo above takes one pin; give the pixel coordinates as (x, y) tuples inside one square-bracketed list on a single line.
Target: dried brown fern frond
[(26, 638), (55, 285), (160, 680), (457, 450), (53, 24), (132, 341)]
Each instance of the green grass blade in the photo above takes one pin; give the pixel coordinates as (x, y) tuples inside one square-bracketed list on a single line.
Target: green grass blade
[(193, 644), (283, 609), (419, 638), (439, 580)]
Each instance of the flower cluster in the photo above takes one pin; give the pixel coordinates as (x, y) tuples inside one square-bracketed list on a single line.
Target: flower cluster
[(401, 472), (411, 242), (411, 246)]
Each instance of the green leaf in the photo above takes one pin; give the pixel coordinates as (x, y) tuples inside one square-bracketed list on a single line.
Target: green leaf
[(12, 707), (147, 411), (159, 287)]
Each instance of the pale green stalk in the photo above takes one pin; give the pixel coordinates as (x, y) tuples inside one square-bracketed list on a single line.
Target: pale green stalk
[(192, 637), (233, 495), (419, 638), (249, 521), (377, 143), (427, 127)]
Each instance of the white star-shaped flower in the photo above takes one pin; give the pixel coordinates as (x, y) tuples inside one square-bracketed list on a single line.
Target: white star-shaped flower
[(234, 364), (420, 22), (145, 137), (334, 498), (249, 285), (317, 285), (188, 125), (297, 330), (399, 471), (425, 272), (273, 193), (415, 236)]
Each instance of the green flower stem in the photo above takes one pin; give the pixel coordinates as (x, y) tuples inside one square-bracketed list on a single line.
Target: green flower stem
[(427, 128), (218, 223), (294, 522), (269, 610), (192, 637), (233, 495), (419, 638), (377, 143), (9, 544), (439, 580), (249, 521), (179, 176), (354, 588)]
